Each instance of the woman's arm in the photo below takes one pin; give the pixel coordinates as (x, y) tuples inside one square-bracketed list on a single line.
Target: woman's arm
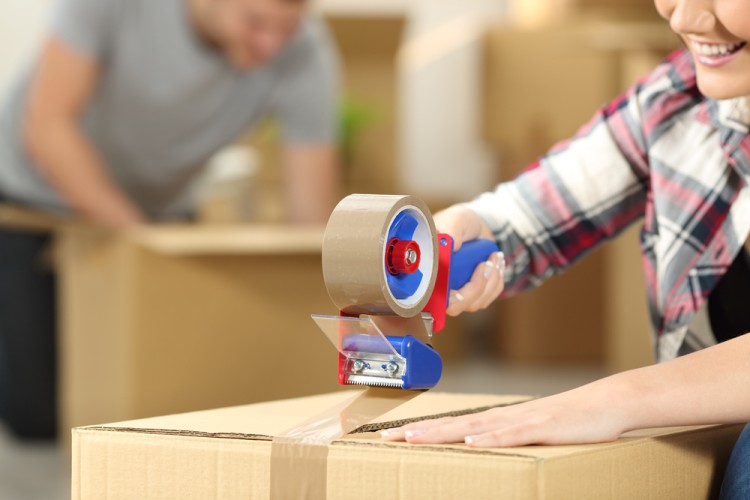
[(706, 387)]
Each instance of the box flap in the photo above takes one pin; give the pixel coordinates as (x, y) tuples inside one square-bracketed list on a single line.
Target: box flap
[(272, 418), (265, 420), (237, 239)]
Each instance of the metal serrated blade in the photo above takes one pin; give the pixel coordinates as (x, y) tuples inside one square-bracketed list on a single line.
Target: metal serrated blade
[(374, 381)]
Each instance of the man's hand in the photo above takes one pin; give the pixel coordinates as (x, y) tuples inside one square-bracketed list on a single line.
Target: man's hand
[(312, 183), (487, 282)]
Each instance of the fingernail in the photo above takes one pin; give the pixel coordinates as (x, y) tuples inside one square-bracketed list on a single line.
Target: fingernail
[(470, 440), (489, 267), (456, 297), (500, 260), (414, 433), (388, 433)]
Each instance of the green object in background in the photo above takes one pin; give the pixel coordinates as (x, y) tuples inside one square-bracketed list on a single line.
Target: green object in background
[(355, 117)]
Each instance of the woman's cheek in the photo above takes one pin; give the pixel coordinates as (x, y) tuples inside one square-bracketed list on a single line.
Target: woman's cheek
[(734, 16)]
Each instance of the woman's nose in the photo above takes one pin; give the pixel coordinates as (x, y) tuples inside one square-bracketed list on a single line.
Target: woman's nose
[(692, 17)]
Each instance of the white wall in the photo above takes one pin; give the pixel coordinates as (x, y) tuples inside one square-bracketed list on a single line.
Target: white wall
[(441, 98), (22, 25), (440, 155)]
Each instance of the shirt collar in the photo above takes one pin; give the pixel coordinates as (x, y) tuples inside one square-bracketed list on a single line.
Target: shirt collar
[(734, 113), (732, 120)]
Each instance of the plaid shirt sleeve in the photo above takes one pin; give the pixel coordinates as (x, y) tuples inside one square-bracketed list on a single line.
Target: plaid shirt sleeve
[(582, 192)]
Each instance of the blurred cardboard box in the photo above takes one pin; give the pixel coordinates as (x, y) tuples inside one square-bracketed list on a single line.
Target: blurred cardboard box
[(227, 454), (538, 13), (179, 318), (368, 45), (541, 85)]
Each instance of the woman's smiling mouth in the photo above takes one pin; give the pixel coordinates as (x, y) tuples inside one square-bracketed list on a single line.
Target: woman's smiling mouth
[(716, 54)]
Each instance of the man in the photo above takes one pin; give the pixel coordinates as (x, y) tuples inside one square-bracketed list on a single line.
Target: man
[(113, 121)]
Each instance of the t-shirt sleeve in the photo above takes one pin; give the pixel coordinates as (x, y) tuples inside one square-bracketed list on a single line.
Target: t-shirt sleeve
[(308, 97), (84, 24)]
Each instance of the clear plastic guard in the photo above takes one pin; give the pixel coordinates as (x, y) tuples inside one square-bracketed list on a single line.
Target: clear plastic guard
[(351, 336)]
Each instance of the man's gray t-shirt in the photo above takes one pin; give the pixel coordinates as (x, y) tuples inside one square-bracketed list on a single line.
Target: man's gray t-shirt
[(165, 102)]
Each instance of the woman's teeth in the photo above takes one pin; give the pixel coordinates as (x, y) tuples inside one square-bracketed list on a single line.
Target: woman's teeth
[(717, 49)]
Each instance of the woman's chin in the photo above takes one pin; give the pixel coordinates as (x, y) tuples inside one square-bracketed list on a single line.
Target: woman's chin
[(723, 88)]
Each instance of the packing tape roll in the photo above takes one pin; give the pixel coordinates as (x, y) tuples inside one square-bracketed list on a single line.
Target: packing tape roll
[(299, 456), (354, 253)]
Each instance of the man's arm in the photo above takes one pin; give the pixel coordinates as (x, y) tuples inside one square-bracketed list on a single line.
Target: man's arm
[(705, 387), (61, 86), (312, 184)]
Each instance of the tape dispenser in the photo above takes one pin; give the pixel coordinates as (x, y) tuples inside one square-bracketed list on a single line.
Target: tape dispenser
[(390, 274)]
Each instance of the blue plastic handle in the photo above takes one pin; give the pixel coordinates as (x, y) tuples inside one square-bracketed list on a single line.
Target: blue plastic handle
[(467, 258)]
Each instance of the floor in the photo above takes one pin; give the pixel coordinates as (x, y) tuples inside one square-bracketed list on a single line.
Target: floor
[(32, 471), (40, 471)]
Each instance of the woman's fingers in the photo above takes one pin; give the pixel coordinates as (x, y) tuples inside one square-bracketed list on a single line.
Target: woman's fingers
[(495, 284), (453, 429), (485, 286), (399, 433), (583, 415), (520, 434)]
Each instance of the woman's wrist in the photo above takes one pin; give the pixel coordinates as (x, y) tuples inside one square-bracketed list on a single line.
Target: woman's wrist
[(632, 394)]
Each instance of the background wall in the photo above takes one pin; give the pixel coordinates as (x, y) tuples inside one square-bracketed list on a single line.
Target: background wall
[(21, 26)]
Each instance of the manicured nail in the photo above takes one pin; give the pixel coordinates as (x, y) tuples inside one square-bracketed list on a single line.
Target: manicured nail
[(389, 433), (500, 260), (489, 267), (414, 433)]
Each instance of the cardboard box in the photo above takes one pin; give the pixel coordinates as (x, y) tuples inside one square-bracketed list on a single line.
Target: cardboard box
[(179, 318), (226, 454), (536, 13)]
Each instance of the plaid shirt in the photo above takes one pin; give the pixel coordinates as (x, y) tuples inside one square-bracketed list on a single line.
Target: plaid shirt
[(662, 153)]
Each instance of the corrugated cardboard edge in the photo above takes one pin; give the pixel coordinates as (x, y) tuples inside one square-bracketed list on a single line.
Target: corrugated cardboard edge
[(374, 427), (350, 441), (554, 474)]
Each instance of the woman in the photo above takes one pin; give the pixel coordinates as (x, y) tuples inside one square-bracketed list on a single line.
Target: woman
[(674, 151)]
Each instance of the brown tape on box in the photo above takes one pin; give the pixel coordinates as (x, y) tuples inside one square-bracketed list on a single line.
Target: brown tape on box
[(299, 455), (354, 252)]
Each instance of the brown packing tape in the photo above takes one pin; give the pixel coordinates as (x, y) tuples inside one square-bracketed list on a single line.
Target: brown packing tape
[(298, 470), (299, 455), (354, 249), (354, 252)]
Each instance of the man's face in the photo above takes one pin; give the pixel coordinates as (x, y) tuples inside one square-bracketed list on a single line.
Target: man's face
[(252, 32), (717, 33)]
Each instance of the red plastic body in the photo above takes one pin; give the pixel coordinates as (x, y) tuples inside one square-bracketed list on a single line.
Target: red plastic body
[(402, 256), (438, 302), (342, 358)]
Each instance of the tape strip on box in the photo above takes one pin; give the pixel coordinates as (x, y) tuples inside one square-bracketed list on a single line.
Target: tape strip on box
[(299, 456)]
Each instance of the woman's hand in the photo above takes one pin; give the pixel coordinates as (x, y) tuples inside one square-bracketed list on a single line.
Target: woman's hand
[(589, 414), (705, 387), (487, 282)]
